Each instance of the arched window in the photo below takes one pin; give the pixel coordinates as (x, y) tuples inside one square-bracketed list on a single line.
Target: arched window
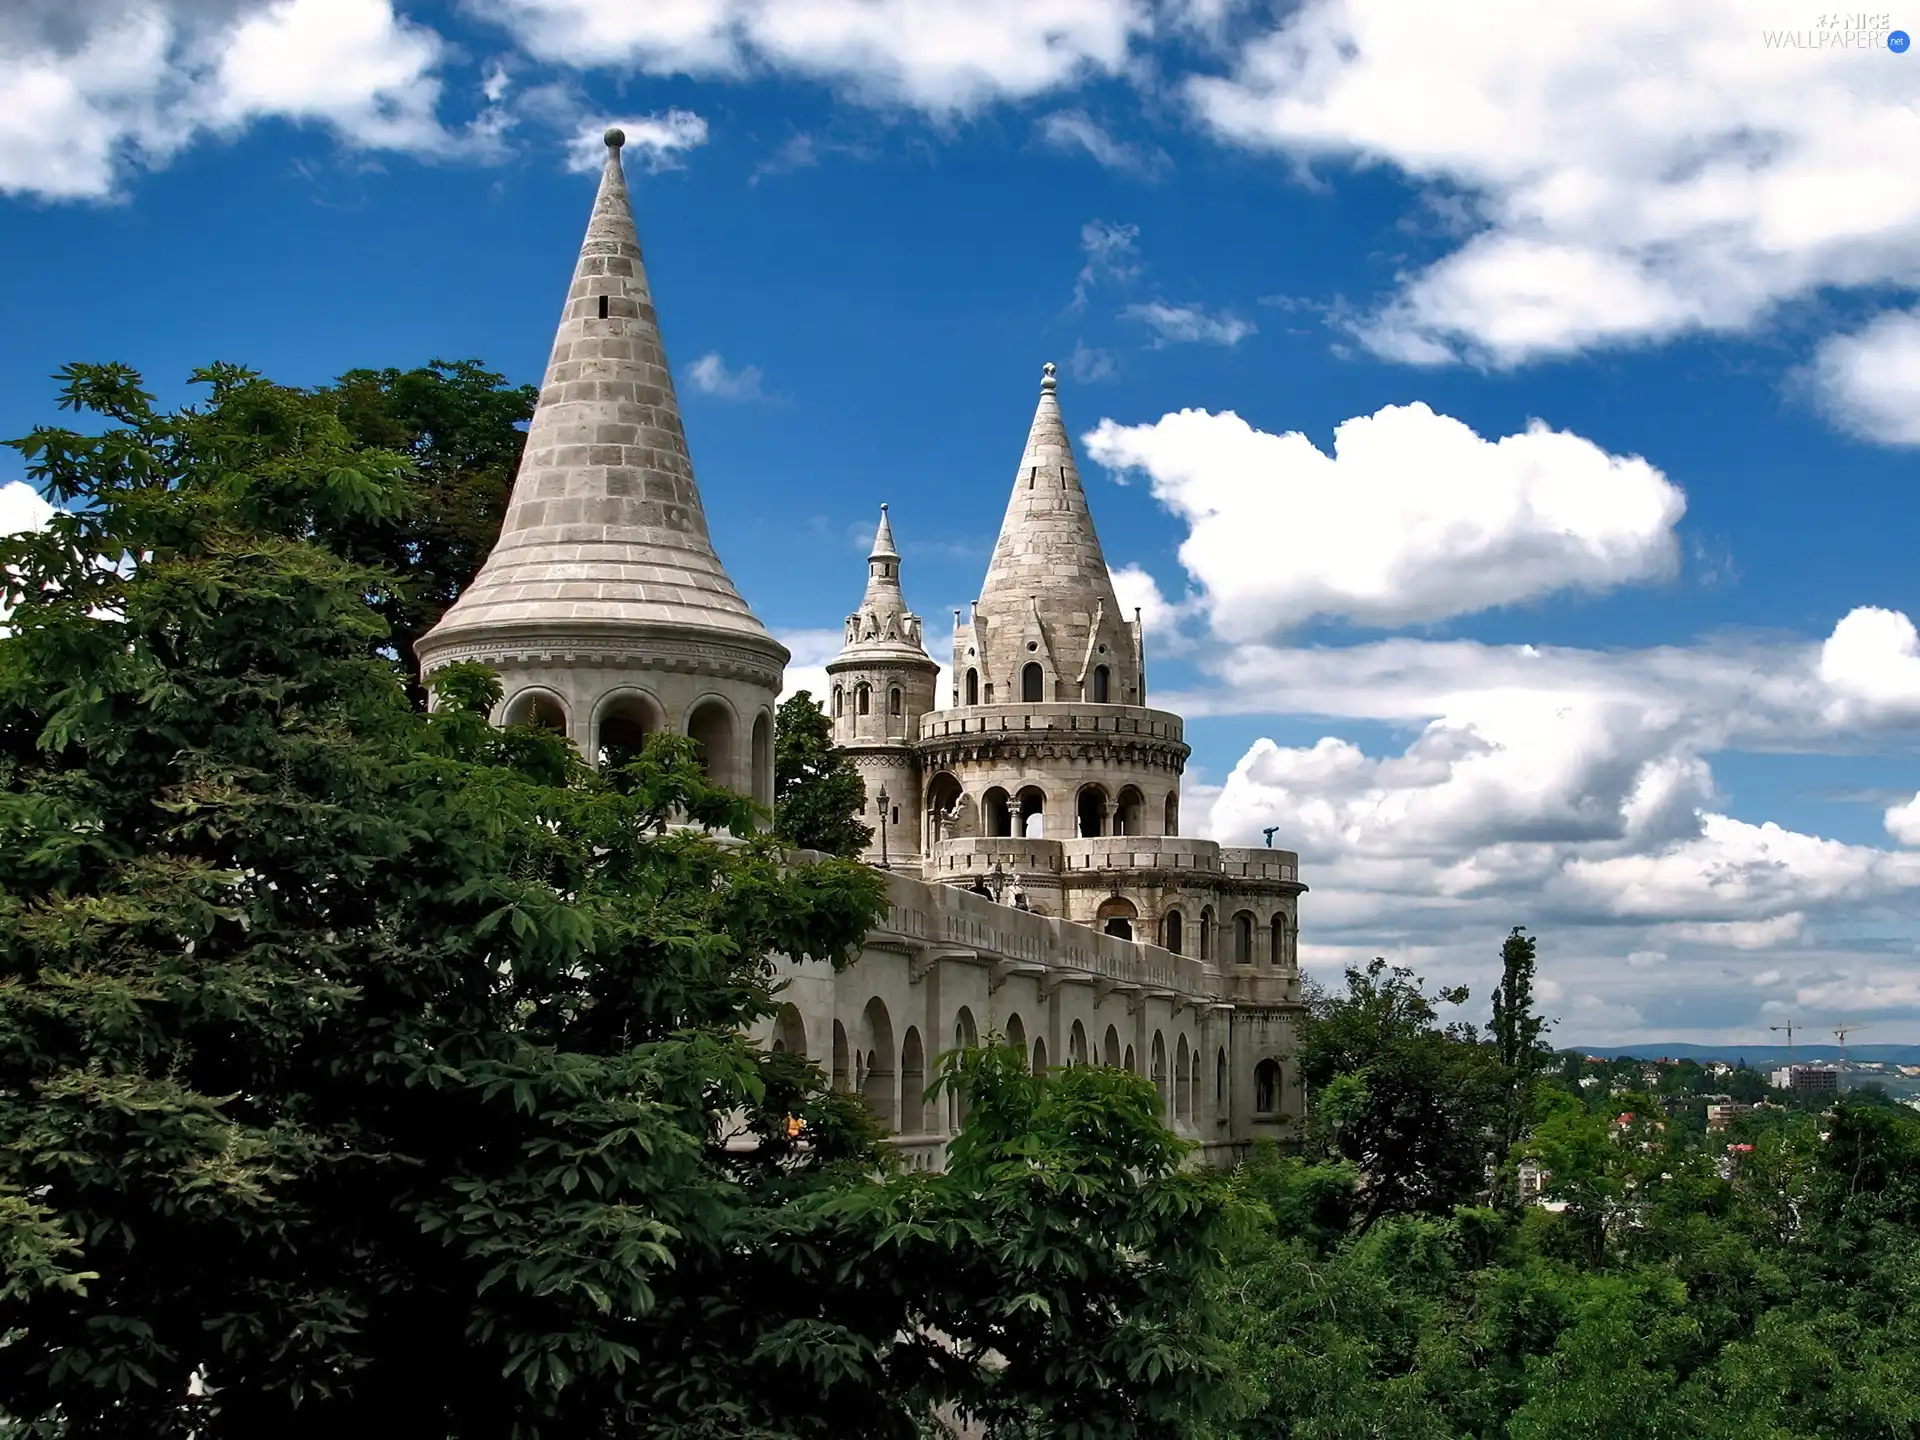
[(913, 1084), (1077, 1044), (997, 812), (1032, 805), (789, 1032), (1102, 682), (1110, 1051), (711, 728), (861, 698), (1040, 1055), (973, 687), (839, 701), (1243, 939), (894, 703), (1126, 813), (1266, 1087), (627, 718), (1206, 933), (1172, 826), (1278, 956), (1090, 811), (1032, 682), (1170, 927), (1220, 1084), (1159, 1075), (537, 710), (1182, 1082)]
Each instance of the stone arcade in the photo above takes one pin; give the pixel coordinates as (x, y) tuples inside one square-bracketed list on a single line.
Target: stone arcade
[(1038, 885)]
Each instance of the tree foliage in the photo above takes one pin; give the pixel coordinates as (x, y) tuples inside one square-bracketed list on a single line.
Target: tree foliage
[(364, 1069), (1674, 1281), (817, 794), (461, 426)]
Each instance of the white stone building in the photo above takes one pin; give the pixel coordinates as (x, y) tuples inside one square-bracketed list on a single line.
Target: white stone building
[(1039, 888)]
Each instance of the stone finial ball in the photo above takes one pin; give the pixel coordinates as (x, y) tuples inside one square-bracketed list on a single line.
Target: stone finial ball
[(615, 138)]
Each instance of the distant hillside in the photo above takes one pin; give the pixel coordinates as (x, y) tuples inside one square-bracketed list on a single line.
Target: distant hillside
[(1759, 1056)]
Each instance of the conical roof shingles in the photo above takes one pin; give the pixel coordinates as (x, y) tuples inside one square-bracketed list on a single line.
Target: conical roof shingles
[(1047, 545), (605, 530)]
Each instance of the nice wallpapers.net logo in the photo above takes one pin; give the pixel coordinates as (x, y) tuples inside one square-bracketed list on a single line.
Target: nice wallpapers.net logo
[(1843, 32)]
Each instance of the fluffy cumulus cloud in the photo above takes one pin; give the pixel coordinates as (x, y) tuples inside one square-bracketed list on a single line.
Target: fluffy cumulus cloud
[(92, 87), (944, 56), (1629, 170), (1573, 791), (1412, 517), (22, 508), (1871, 663), (710, 375), (1869, 382)]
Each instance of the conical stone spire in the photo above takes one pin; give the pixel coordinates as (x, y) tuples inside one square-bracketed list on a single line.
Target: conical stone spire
[(1048, 598), (604, 532)]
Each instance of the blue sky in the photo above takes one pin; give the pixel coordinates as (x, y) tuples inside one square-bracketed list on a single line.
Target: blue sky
[(1594, 618)]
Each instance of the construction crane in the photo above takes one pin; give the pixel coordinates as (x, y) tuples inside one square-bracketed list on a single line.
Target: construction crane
[(1789, 1027), (1840, 1033)]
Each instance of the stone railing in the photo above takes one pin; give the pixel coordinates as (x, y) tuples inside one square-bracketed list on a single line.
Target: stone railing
[(977, 854), (1075, 718), (932, 917)]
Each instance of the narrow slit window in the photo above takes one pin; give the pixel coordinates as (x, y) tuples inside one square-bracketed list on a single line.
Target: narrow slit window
[(603, 307)]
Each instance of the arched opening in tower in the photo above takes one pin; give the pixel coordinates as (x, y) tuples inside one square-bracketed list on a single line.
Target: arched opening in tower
[(763, 758), (1033, 682), (945, 809), (973, 687), (1171, 928), (627, 718), (1102, 680), (537, 710), (710, 727), (1266, 1087), (996, 812), (1243, 938), (1116, 916), (1127, 810), (1033, 813), (1090, 811), (1172, 813)]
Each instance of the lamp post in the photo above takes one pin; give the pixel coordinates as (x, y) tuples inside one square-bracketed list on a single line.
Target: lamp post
[(997, 879), (882, 798)]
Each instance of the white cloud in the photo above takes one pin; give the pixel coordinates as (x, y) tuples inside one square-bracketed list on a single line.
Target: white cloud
[(1646, 959), (807, 670), (1872, 664), (89, 92), (1903, 821), (1413, 517), (943, 56), (654, 141), (1075, 130), (1189, 324), (1636, 169), (1869, 382), (22, 508), (1160, 618), (1089, 365), (710, 376)]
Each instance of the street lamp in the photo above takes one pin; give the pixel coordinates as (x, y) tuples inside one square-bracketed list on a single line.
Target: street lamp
[(882, 798), (997, 879)]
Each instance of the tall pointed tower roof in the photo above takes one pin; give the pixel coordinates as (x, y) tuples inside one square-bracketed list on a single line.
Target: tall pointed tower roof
[(604, 531), (1047, 546)]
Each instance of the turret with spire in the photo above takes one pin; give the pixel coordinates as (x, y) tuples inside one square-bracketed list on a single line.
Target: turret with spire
[(880, 684), (603, 604), (1047, 625)]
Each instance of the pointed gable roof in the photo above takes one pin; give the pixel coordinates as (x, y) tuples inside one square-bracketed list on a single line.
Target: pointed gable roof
[(605, 530)]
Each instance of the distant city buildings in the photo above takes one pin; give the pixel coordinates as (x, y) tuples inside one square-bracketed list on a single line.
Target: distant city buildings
[(1722, 1111), (1807, 1079)]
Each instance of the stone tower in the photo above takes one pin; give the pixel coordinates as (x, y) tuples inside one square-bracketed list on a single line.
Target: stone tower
[(883, 681), (603, 606), (1047, 725)]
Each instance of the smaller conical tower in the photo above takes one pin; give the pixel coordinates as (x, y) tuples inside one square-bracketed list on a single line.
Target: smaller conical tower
[(882, 682), (603, 606)]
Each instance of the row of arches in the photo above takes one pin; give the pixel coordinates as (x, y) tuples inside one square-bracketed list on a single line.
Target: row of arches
[(862, 700), (1096, 688), (621, 721), (1022, 814), (894, 1081), (1236, 942)]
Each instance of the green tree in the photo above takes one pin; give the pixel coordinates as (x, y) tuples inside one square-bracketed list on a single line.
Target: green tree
[(362, 1068), (1517, 1040), (817, 794), (462, 426), (1408, 1101)]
